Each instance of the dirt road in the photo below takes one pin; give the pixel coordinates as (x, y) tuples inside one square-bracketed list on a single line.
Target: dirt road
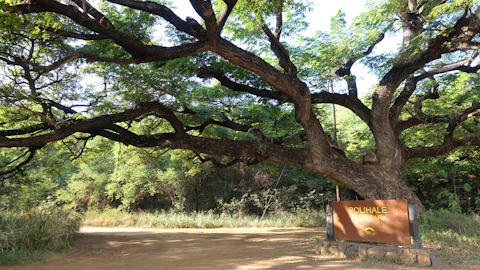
[(198, 249)]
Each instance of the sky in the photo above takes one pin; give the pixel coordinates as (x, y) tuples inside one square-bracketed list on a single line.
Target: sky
[(319, 19), (324, 10)]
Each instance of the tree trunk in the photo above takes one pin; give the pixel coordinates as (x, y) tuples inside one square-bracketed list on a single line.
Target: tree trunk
[(388, 185), (371, 181), (379, 184)]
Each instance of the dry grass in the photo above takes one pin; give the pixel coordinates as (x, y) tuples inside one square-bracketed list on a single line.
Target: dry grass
[(30, 235), (116, 218)]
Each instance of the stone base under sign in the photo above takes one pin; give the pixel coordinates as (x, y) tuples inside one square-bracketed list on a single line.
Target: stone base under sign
[(408, 256)]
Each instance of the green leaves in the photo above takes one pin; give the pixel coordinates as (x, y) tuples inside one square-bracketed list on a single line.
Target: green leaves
[(245, 23)]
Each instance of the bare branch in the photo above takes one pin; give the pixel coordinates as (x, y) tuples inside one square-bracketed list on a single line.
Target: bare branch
[(72, 151), (462, 117), (57, 105), (411, 83)]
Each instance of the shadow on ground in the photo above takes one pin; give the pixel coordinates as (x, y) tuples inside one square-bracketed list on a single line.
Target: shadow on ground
[(198, 249)]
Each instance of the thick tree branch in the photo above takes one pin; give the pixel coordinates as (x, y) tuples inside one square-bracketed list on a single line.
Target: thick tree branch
[(139, 51), (163, 55), (347, 101), (468, 45), (411, 83), (205, 10), (190, 26), (402, 99), (464, 30), (89, 9), (25, 131), (226, 122), (18, 168), (452, 120), (98, 123), (280, 51), (447, 146), (460, 65), (70, 34), (230, 4), (104, 126), (278, 24), (225, 81), (462, 117), (246, 128), (345, 71), (234, 149)]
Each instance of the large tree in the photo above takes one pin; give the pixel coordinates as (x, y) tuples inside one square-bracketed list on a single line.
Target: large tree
[(239, 82)]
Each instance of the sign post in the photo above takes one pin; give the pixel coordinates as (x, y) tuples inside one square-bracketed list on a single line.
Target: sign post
[(372, 221), (329, 214), (414, 226)]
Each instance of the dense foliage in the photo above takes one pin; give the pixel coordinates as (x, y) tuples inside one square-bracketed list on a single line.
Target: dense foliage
[(237, 86)]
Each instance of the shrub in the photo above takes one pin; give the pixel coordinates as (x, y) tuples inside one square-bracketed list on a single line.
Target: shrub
[(37, 229)]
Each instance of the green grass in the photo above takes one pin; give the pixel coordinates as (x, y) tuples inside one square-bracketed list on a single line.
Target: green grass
[(443, 227), (9, 258), (35, 234), (116, 218), (454, 236)]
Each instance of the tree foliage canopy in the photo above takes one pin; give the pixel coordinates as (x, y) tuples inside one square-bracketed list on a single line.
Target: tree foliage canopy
[(240, 82)]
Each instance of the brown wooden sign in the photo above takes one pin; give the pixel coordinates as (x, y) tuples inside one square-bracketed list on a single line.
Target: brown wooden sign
[(372, 221)]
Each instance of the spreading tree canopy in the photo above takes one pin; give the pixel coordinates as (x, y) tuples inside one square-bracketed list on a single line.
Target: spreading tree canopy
[(241, 83)]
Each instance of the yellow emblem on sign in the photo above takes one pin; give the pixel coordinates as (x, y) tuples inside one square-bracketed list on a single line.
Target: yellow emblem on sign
[(370, 231)]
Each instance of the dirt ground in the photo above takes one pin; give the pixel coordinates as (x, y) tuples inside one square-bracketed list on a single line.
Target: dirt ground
[(198, 249)]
